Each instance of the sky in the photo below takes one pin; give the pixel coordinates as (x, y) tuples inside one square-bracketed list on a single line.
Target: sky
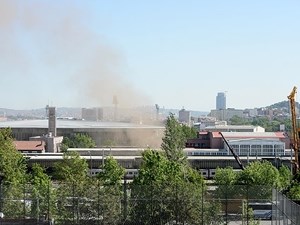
[(173, 53)]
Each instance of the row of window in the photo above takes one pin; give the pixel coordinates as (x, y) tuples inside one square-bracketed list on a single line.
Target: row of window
[(276, 149)]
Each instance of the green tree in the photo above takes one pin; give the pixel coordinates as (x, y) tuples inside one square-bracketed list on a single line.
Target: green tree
[(285, 177), (294, 192), (73, 190), (225, 176), (43, 197), (112, 173), (293, 189), (72, 168), (173, 140), (13, 169), (166, 190), (227, 189), (13, 165), (260, 175), (109, 192), (78, 140), (226, 180), (236, 120), (189, 132)]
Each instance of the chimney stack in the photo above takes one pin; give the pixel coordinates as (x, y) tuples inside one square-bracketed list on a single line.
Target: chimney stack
[(51, 121)]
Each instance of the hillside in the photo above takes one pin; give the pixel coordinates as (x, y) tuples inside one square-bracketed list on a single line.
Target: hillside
[(282, 104)]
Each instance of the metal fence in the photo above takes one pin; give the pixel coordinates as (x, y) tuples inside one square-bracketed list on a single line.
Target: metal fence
[(162, 204), (286, 210)]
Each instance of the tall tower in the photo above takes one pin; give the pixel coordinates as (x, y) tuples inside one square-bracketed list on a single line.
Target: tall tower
[(51, 120), (221, 101)]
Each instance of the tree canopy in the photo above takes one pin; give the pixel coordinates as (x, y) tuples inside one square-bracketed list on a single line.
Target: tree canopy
[(13, 165), (270, 125), (174, 139), (72, 168), (112, 173), (161, 178), (258, 174), (78, 140)]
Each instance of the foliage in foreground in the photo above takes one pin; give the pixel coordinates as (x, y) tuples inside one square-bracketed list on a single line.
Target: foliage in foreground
[(260, 175), (166, 190)]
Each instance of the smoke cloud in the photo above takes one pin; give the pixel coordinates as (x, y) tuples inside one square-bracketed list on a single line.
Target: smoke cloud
[(57, 38)]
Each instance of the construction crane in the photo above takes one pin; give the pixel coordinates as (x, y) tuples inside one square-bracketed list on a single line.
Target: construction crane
[(237, 158), (295, 129)]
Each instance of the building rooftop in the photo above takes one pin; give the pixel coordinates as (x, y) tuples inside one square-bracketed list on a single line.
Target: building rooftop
[(240, 135), (29, 145), (73, 124), (232, 127)]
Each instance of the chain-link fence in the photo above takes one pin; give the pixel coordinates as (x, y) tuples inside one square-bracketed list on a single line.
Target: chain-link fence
[(286, 211), (162, 204)]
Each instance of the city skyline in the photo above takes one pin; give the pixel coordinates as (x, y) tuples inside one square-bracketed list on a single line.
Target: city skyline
[(170, 53)]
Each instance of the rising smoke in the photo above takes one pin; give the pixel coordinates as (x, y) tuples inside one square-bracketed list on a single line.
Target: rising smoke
[(56, 36)]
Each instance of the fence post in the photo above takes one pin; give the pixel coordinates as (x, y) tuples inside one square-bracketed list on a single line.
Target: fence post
[(202, 202), (24, 205), (48, 202), (247, 204), (125, 199), (98, 202), (1, 198), (176, 205), (226, 204), (73, 194)]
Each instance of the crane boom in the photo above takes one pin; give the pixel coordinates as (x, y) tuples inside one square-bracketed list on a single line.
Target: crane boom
[(237, 158), (295, 130)]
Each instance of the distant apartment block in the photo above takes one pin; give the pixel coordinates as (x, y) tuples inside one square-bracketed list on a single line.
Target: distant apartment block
[(92, 114), (226, 114), (221, 101), (184, 116), (251, 112)]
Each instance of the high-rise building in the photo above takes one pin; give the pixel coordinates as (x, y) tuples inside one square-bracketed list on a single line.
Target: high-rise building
[(185, 116), (221, 101), (92, 114)]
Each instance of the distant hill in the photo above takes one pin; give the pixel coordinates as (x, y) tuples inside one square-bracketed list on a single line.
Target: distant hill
[(76, 112), (40, 113), (283, 104)]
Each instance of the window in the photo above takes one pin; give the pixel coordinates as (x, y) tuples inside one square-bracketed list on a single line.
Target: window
[(236, 148), (267, 150), (244, 149), (255, 150), (279, 149)]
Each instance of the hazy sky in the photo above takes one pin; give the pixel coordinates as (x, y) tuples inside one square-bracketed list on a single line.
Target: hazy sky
[(171, 53)]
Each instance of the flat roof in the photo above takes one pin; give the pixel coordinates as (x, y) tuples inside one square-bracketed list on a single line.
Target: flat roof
[(232, 127), (219, 158), (74, 124), (274, 135)]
